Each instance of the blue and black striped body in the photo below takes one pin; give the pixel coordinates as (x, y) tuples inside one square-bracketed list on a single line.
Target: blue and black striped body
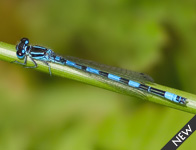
[(143, 87), (40, 53), (46, 55)]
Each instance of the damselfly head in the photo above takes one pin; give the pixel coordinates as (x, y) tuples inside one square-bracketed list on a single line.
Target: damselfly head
[(21, 48)]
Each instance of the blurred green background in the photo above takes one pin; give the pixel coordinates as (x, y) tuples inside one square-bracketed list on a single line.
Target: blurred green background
[(39, 112)]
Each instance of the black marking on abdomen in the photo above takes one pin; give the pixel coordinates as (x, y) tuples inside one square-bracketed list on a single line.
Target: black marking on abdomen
[(123, 80), (157, 91), (183, 100), (105, 74), (83, 67), (143, 87), (178, 98)]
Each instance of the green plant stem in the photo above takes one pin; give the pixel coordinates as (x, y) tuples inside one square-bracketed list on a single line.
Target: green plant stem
[(8, 53)]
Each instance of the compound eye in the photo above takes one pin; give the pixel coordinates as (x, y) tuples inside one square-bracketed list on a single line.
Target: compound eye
[(20, 54), (24, 40), (20, 46)]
